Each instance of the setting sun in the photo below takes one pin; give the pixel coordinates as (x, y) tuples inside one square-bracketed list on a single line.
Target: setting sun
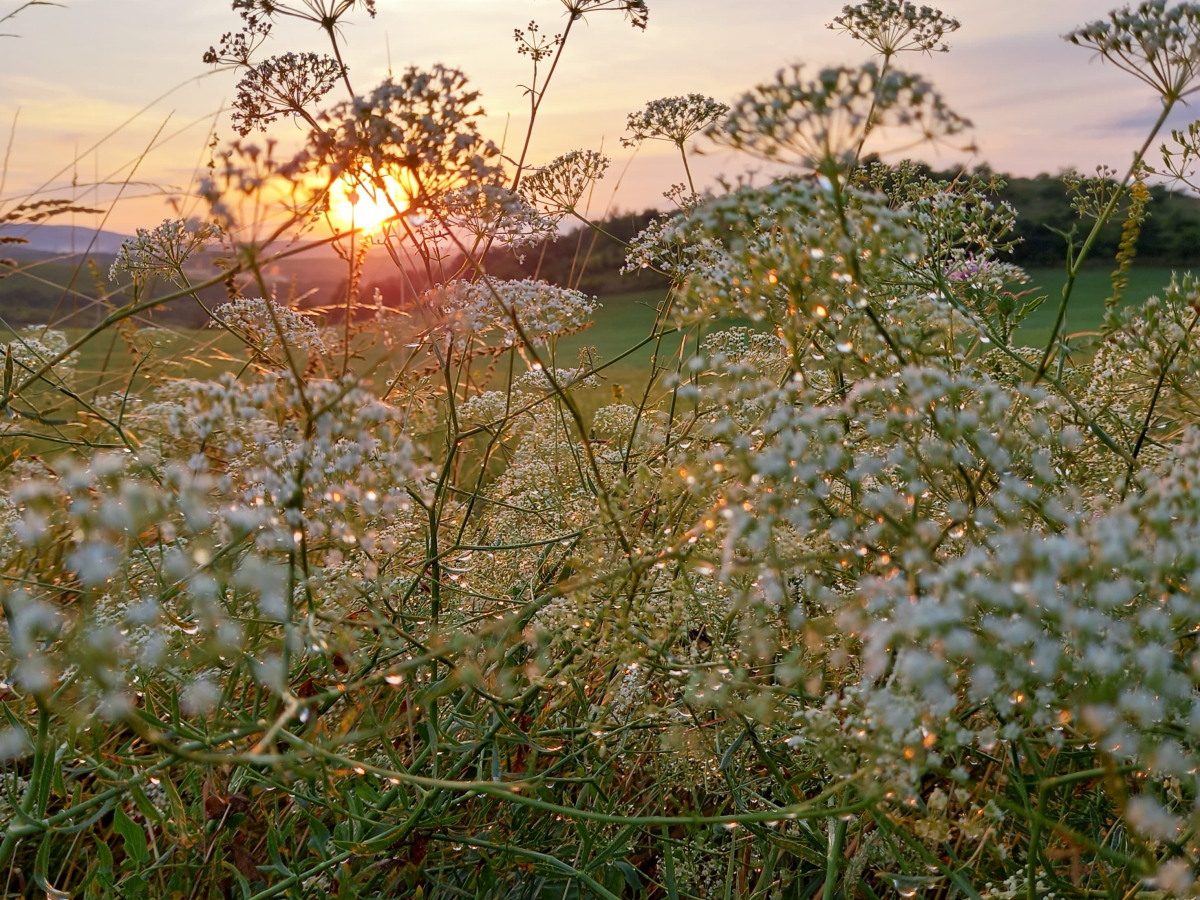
[(353, 206)]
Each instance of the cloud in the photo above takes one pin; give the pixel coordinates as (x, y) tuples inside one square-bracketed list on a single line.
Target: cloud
[(1140, 121)]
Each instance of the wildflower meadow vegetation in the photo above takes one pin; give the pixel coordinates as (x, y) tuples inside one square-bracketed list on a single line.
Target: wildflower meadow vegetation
[(856, 597)]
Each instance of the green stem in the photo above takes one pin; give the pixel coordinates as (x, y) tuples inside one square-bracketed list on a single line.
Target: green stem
[(1076, 264), (833, 859), (33, 788)]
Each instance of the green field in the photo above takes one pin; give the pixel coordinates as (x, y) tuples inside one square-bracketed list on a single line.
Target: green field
[(106, 363), (1085, 311), (624, 320), (621, 323)]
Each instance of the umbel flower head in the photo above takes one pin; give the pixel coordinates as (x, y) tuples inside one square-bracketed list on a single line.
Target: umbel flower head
[(674, 119), (889, 27), (636, 11), (559, 185), (494, 212), (419, 130), (245, 179), (162, 250), (269, 326), (1154, 43), (543, 311), (823, 121), (280, 86), (321, 11)]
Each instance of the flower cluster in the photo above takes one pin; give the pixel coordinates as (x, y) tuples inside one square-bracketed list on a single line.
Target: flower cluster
[(836, 583), (282, 85), (674, 119), (162, 251), (560, 185), (246, 178), (494, 213), (33, 347), (821, 122), (661, 246), (636, 11), (787, 257), (893, 26), (269, 326), (418, 130), (518, 311), (1154, 43)]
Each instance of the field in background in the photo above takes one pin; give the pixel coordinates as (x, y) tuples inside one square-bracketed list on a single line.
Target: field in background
[(106, 364), (1086, 309)]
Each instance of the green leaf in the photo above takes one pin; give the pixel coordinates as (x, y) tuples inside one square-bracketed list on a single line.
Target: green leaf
[(273, 851), (135, 838), (318, 834), (104, 857), (145, 807), (633, 877)]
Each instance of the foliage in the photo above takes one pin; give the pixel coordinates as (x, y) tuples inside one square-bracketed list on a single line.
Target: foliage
[(864, 600)]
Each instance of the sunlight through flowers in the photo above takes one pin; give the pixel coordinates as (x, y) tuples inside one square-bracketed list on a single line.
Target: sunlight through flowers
[(367, 207)]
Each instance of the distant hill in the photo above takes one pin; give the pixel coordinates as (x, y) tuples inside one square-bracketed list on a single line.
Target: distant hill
[(55, 280), (60, 239), (1170, 237)]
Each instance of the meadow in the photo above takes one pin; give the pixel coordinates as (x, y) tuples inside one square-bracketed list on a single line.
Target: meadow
[(1087, 311), (834, 570), (620, 323)]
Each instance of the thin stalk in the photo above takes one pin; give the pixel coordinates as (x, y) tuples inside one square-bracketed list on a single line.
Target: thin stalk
[(1076, 265), (833, 860), (687, 168)]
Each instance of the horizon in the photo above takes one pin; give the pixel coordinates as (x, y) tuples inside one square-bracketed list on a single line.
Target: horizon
[(1060, 109)]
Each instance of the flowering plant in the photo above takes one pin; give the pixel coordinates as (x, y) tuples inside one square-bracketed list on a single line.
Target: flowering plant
[(858, 597)]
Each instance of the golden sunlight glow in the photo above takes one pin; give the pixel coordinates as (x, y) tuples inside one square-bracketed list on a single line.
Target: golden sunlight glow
[(368, 208)]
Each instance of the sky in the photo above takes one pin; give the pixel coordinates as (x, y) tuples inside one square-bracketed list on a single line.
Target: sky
[(115, 90)]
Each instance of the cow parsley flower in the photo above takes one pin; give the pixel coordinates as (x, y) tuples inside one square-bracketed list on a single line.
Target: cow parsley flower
[(282, 85), (674, 119), (495, 213), (269, 328), (162, 251), (1155, 43), (636, 11), (822, 122), (540, 310), (418, 130), (559, 186), (35, 345), (893, 26)]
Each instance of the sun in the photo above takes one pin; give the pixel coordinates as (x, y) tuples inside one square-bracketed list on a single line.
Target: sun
[(352, 206)]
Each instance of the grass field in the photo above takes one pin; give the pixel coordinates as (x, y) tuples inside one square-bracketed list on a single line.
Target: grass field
[(106, 364), (1086, 309), (622, 322)]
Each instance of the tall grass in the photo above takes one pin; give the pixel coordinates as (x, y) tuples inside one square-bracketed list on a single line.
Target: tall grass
[(820, 582)]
